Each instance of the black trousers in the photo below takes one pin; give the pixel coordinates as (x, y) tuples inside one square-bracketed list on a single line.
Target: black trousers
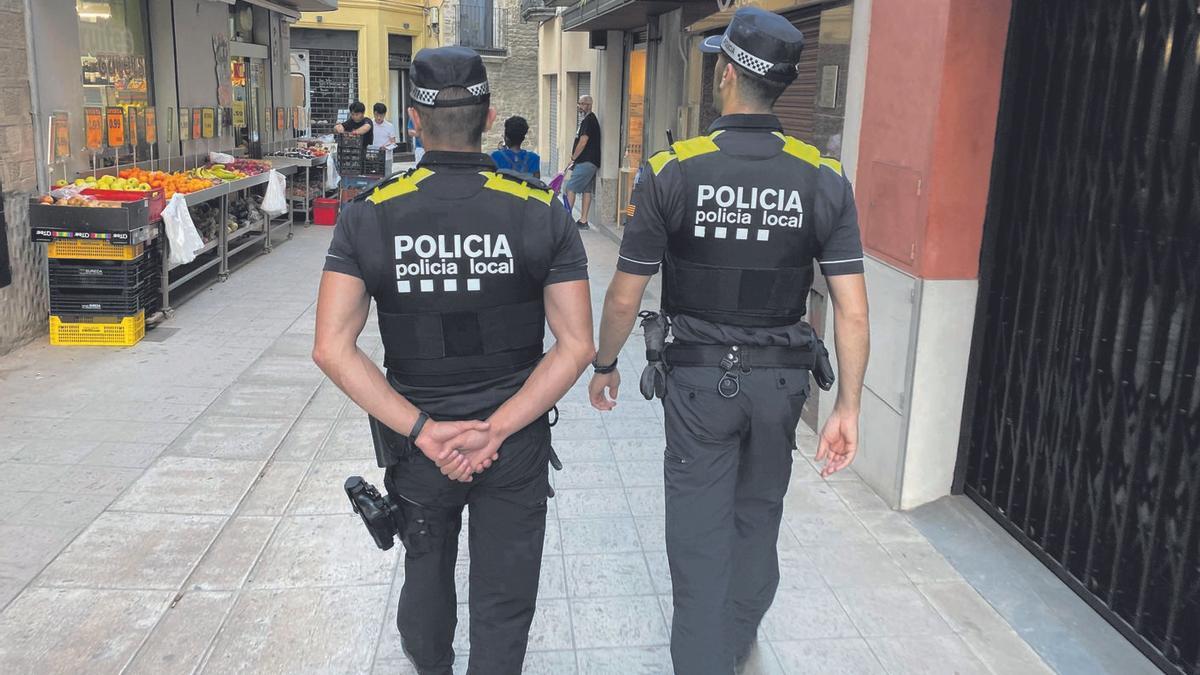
[(507, 530), (727, 466)]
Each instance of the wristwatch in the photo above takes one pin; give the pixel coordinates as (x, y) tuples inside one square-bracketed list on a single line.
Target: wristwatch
[(422, 418), (604, 370)]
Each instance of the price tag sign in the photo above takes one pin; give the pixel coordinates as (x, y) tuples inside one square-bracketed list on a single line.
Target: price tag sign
[(94, 125), (239, 114), (185, 123), (115, 124), (209, 122), (280, 118), (296, 118), (134, 120), (60, 131), (197, 123), (151, 126)]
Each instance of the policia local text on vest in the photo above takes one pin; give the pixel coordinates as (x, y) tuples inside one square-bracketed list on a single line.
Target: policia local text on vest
[(466, 265), (736, 219)]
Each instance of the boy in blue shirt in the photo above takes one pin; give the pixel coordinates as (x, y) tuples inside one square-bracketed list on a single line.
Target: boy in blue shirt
[(511, 156)]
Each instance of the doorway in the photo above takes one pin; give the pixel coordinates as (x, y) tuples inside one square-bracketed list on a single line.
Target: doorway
[(633, 126)]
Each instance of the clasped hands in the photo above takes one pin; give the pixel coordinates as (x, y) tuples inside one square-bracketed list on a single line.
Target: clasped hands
[(460, 449)]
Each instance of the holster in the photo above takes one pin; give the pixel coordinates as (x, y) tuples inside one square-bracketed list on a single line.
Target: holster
[(822, 368), (390, 447), (654, 377)]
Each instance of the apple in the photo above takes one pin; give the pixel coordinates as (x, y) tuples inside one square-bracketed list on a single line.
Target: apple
[(61, 182)]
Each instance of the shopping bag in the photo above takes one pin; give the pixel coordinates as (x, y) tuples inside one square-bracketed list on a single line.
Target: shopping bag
[(556, 183), (332, 177), (220, 158), (275, 201), (181, 232)]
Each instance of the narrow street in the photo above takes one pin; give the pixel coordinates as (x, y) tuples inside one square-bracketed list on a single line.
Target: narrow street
[(177, 507)]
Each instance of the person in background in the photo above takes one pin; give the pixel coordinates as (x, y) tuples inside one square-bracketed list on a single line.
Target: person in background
[(418, 149), (358, 124), (585, 161), (511, 156), (385, 131)]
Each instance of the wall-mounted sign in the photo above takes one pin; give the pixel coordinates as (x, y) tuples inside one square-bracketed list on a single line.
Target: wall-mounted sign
[(239, 114), (115, 125), (197, 123), (151, 126), (827, 98), (60, 132), (296, 118), (208, 122), (94, 125), (185, 123)]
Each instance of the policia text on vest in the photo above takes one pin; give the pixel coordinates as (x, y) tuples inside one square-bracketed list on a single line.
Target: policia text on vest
[(466, 266), (737, 220)]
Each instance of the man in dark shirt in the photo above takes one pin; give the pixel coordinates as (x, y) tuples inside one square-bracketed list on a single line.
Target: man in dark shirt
[(737, 218), (585, 161), (358, 124), (465, 266)]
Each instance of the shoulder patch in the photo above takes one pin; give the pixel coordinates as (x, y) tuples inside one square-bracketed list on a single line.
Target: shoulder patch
[(799, 149), (831, 163), (695, 147), (525, 178), (396, 186), (517, 186), (660, 160)]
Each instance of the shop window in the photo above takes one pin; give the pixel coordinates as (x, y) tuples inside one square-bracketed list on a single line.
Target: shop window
[(114, 54)]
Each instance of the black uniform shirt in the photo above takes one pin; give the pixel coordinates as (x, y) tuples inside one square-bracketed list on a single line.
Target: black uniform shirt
[(554, 240), (658, 201)]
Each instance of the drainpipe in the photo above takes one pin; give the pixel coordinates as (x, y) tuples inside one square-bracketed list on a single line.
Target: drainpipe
[(43, 177)]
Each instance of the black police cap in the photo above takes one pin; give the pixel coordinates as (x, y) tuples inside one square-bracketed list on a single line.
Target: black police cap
[(762, 42), (436, 69)]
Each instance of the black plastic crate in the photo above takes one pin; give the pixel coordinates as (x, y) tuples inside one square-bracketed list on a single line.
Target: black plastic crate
[(106, 302), (106, 274)]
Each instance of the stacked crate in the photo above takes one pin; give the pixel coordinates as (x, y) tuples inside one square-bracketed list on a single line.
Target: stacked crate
[(351, 153)]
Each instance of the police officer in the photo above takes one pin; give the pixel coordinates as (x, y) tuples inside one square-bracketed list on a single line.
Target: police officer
[(465, 265), (736, 218)]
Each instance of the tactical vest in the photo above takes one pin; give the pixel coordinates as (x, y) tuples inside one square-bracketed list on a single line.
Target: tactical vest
[(458, 303), (744, 253)]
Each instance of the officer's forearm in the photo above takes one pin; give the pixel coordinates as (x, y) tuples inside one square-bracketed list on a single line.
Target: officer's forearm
[(621, 305), (546, 386), (357, 375), (853, 344)]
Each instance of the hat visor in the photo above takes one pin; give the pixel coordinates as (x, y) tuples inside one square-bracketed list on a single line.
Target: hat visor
[(712, 44)]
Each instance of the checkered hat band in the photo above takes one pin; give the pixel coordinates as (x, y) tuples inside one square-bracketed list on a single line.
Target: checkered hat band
[(429, 96), (745, 59)]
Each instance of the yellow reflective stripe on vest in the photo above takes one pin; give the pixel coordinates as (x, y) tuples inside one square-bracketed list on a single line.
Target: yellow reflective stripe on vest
[(660, 160), (520, 190), (798, 148), (694, 147), (402, 185), (832, 164)]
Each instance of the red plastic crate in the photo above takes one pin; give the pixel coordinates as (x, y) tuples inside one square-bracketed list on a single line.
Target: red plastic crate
[(325, 211), (156, 198)]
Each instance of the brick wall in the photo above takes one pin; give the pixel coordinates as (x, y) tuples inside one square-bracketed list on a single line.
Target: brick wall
[(513, 76), (24, 303), (334, 77)]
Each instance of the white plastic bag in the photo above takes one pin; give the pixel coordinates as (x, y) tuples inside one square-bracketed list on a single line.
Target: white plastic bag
[(181, 232), (275, 201), (220, 158), (332, 177)]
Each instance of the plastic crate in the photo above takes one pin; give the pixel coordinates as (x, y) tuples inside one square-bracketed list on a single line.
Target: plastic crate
[(155, 199), (85, 249), (102, 302), (115, 274), (97, 331)]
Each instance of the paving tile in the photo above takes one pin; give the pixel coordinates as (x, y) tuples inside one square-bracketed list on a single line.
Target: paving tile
[(274, 489), (583, 451), (891, 611), (553, 580), (351, 439), (298, 370), (227, 564), (617, 622), (54, 451), (660, 571), (638, 449), (808, 614), (11, 502), (646, 501), (311, 630), (48, 630), (230, 438), (859, 497), (190, 485), (304, 439), (323, 490), (606, 575), (327, 403), (599, 535), (133, 551), (593, 503), (124, 454), (100, 480), (549, 663), (262, 399), (982, 628), (856, 565), (311, 551), (890, 526), (552, 545), (922, 562), (69, 511), (647, 473), (842, 656), (921, 655), (39, 544), (640, 429), (797, 571), (761, 661), (625, 660), (652, 532), (581, 475), (179, 641), (551, 629)]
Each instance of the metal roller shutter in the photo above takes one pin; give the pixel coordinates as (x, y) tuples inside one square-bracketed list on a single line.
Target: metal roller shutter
[(552, 166), (795, 107)]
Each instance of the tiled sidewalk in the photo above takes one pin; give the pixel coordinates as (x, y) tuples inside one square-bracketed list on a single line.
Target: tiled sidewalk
[(177, 507)]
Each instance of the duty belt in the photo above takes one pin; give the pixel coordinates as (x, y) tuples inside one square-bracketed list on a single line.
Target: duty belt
[(748, 356)]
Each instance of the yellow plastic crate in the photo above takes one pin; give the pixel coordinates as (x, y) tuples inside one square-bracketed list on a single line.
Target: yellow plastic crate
[(98, 331), (88, 249)]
